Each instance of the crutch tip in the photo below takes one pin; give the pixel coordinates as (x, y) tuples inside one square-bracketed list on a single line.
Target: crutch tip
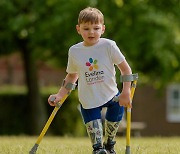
[(34, 149), (128, 151)]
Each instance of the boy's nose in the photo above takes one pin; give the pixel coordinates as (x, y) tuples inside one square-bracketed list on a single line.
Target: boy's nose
[(91, 31)]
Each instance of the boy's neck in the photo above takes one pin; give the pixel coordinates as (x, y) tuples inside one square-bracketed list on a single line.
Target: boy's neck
[(90, 45)]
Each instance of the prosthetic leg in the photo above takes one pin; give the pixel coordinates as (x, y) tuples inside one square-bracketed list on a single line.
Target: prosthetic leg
[(111, 129), (95, 132)]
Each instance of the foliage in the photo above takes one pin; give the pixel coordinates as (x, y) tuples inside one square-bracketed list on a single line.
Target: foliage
[(147, 32), (44, 24), (15, 113)]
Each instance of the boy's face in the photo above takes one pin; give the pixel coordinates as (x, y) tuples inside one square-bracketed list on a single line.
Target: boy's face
[(90, 32)]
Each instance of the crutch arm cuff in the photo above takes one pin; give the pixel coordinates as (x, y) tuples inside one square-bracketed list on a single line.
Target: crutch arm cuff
[(68, 86), (129, 78)]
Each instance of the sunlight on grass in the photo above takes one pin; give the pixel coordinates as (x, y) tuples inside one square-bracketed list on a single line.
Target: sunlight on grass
[(69, 145), (14, 89)]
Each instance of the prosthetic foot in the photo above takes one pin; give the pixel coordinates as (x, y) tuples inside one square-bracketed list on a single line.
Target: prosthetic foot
[(109, 146), (98, 149)]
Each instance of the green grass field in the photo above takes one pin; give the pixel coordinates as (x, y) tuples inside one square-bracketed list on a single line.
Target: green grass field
[(68, 145)]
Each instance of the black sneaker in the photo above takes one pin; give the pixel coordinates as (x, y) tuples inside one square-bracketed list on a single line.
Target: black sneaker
[(110, 147), (100, 151)]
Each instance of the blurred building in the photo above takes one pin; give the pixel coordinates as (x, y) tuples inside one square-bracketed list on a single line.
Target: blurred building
[(12, 72), (160, 110)]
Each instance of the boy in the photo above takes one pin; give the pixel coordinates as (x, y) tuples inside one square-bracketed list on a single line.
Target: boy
[(91, 62)]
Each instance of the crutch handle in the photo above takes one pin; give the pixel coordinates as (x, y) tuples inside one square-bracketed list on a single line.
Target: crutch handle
[(52, 99), (116, 99)]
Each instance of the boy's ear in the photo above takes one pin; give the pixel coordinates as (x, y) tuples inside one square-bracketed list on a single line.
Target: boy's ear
[(78, 29), (103, 29)]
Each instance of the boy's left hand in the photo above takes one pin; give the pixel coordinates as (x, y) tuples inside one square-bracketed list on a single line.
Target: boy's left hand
[(125, 99)]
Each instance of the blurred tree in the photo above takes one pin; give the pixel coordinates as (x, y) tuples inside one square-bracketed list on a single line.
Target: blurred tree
[(147, 32), (16, 20), (37, 29)]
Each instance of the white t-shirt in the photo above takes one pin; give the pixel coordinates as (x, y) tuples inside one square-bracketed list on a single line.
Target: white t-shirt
[(95, 68)]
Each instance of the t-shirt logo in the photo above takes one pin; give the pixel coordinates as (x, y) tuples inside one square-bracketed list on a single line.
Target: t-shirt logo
[(95, 75), (92, 64)]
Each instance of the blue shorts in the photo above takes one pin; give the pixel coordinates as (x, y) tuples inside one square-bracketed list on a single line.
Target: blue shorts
[(114, 112)]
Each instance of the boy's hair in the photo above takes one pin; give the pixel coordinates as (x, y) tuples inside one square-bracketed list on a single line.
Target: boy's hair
[(92, 15)]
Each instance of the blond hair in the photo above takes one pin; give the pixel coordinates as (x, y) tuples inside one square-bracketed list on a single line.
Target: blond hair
[(92, 15)]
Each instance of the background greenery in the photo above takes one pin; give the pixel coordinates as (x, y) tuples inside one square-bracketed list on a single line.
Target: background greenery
[(15, 116), (147, 32)]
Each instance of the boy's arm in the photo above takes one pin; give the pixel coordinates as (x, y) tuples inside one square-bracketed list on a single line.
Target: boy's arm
[(70, 78), (124, 98)]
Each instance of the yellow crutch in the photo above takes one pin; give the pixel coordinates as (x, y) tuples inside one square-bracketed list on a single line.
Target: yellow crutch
[(128, 78), (43, 132), (128, 118)]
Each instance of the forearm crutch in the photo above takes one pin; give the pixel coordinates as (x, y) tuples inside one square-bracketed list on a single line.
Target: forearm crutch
[(129, 78), (56, 108)]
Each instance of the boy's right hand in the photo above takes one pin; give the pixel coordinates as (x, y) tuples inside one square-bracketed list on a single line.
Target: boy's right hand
[(125, 99), (54, 99)]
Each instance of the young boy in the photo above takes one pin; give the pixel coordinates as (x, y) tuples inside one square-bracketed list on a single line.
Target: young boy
[(91, 62)]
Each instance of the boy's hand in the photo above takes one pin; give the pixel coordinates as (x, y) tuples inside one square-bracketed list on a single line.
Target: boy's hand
[(125, 99), (54, 99)]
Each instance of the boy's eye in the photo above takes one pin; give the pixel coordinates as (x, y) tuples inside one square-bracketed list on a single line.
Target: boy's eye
[(97, 28), (86, 28)]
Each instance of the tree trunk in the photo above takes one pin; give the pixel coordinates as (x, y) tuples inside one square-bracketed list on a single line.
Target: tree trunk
[(37, 112)]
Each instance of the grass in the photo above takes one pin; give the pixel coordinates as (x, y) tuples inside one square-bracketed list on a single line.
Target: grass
[(68, 145)]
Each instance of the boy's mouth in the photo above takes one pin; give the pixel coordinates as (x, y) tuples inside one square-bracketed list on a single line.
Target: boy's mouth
[(90, 37)]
